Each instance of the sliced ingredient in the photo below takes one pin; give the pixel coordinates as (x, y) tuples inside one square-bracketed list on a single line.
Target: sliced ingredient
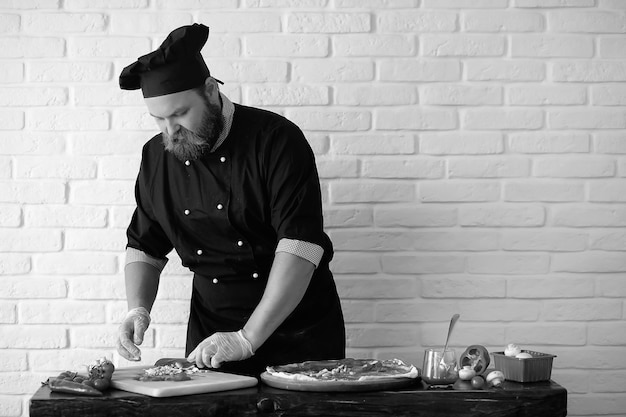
[(476, 357), (176, 371)]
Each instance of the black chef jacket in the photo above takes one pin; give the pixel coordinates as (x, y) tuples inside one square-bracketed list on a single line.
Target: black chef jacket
[(224, 213)]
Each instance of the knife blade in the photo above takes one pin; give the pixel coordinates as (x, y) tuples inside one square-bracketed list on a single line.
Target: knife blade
[(180, 362)]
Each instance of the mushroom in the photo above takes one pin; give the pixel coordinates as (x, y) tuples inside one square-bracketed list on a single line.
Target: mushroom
[(512, 349), (495, 378), (466, 373)]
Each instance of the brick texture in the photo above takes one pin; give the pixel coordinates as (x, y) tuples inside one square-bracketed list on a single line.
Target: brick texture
[(472, 155)]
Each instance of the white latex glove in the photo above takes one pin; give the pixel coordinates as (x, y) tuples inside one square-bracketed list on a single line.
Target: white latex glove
[(131, 333), (219, 348)]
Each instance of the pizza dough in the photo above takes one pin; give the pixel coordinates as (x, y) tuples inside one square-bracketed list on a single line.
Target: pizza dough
[(348, 369)]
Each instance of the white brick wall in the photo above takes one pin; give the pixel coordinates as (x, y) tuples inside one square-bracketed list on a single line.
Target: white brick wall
[(472, 156)]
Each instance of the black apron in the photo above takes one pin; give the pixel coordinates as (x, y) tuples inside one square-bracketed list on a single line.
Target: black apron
[(313, 331)]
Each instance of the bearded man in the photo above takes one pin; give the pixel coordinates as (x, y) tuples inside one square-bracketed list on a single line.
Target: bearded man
[(235, 191)]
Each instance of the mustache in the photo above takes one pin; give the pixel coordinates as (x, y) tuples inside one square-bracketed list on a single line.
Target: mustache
[(185, 135), (185, 144)]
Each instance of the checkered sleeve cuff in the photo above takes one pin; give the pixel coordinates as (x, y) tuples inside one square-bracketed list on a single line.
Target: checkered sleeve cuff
[(135, 255), (305, 250)]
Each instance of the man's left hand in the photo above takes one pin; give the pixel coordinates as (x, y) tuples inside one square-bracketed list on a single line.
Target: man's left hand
[(221, 347)]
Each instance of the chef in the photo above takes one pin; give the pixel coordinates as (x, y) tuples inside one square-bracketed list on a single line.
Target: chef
[(235, 191)]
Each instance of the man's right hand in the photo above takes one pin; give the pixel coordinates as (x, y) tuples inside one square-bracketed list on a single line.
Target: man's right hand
[(131, 331)]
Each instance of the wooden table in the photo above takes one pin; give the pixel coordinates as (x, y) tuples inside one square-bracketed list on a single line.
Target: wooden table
[(540, 399)]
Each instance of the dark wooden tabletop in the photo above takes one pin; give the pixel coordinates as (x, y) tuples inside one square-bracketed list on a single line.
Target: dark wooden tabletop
[(539, 399)]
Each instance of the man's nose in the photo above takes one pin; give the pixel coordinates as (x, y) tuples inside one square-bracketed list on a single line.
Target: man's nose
[(171, 127)]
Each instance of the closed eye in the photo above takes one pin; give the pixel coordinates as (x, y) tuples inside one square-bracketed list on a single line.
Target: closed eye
[(176, 113)]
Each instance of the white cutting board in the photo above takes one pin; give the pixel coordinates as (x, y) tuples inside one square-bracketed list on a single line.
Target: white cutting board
[(125, 379)]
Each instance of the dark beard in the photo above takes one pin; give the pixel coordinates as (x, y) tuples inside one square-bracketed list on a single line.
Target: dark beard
[(187, 145)]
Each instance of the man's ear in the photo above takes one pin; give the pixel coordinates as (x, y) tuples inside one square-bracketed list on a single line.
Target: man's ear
[(210, 87)]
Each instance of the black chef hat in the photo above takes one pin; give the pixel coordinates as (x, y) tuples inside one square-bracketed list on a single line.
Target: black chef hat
[(176, 65)]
